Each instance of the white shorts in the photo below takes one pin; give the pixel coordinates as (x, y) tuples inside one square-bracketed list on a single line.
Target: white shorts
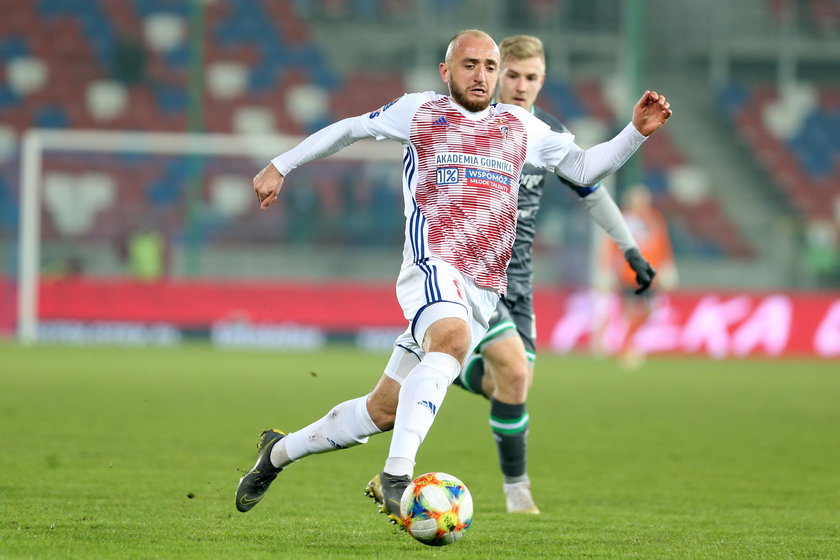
[(429, 292)]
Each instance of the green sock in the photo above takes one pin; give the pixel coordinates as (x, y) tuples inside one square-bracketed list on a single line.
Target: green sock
[(471, 375), (509, 423)]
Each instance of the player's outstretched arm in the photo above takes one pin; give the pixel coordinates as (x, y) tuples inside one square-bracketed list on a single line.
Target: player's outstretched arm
[(391, 122), (320, 144), (267, 185), (605, 212), (651, 112)]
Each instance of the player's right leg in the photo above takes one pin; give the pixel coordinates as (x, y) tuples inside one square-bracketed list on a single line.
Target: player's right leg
[(449, 314), (386, 489), (421, 396)]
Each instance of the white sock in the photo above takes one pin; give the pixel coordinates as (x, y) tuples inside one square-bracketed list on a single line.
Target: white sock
[(346, 425), (421, 396), (399, 466)]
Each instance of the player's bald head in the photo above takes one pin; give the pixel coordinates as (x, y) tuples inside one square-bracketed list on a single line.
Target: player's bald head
[(467, 35)]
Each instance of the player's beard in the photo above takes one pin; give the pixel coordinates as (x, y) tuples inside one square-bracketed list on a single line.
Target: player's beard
[(460, 97)]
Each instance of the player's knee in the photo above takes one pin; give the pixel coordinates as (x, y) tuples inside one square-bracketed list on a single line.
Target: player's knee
[(458, 348), (450, 337), (512, 382)]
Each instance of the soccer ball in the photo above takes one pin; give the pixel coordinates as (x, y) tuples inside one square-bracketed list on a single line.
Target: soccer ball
[(437, 508)]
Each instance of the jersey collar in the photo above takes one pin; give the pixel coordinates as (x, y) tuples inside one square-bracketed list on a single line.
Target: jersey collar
[(533, 109)]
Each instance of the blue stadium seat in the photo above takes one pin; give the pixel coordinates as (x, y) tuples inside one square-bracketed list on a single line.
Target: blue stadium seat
[(306, 55), (264, 76), (305, 8), (103, 47), (50, 116), (656, 180), (832, 124), (565, 100), (171, 99), (13, 47), (66, 8), (146, 7), (323, 76), (8, 207), (685, 243), (168, 189), (366, 9), (8, 98), (818, 163), (813, 146), (319, 124), (733, 97), (178, 57)]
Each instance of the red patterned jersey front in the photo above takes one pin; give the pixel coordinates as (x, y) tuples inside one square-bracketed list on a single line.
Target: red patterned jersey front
[(466, 189)]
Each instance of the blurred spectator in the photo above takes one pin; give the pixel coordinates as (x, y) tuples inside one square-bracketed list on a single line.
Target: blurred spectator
[(650, 230), (821, 254), (146, 255)]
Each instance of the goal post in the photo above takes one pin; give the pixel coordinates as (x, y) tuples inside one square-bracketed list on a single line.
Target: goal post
[(38, 142)]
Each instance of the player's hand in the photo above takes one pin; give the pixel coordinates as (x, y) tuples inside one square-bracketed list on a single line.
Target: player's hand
[(267, 185), (651, 112), (644, 272)]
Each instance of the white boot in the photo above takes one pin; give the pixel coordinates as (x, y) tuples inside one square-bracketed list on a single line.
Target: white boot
[(518, 498)]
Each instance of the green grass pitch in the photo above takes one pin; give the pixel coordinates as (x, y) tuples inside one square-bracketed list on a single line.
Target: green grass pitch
[(135, 453)]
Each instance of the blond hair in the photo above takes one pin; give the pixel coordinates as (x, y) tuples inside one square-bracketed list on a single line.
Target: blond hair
[(520, 47)]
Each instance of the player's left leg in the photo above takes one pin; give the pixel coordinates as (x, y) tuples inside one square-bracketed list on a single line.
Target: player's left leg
[(346, 425), (502, 371), (473, 376)]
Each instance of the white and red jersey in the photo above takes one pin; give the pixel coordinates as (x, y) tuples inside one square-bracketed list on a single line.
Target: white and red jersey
[(461, 180), (461, 174)]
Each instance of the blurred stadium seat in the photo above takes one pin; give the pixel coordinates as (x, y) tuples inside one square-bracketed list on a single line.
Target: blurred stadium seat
[(803, 158), (126, 65)]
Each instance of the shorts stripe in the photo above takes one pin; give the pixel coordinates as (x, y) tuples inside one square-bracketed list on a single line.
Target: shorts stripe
[(491, 334), (431, 285), (417, 226), (407, 349), (416, 233)]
